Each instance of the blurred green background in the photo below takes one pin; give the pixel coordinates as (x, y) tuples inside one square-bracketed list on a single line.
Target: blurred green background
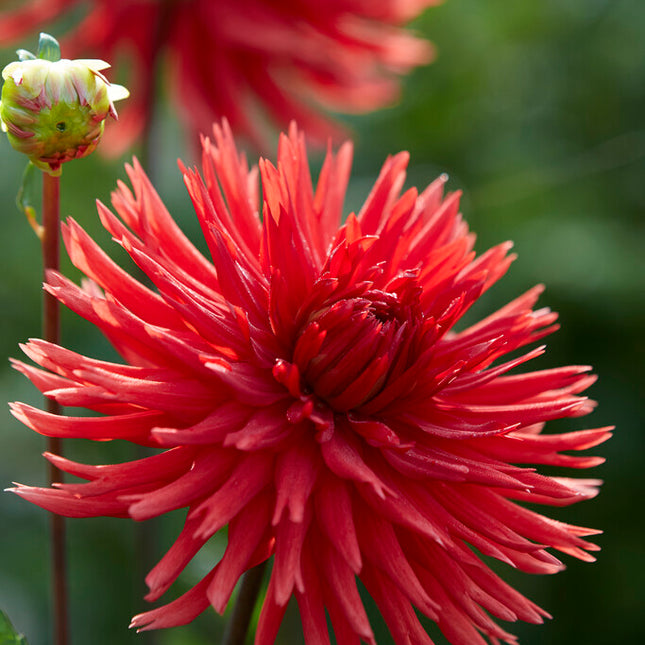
[(536, 110)]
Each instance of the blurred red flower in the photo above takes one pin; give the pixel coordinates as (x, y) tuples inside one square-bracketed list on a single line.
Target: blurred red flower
[(309, 390), (226, 58)]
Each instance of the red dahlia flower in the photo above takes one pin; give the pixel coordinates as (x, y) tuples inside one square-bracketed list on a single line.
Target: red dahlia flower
[(309, 390), (226, 55)]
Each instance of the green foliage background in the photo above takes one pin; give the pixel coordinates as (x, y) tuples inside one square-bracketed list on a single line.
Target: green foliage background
[(536, 111)]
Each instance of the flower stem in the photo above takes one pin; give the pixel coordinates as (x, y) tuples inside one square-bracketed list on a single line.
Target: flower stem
[(238, 625), (51, 332)]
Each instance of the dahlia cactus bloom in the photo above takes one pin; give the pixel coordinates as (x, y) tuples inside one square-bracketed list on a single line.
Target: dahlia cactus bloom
[(309, 388), (241, 58), (55, 111)]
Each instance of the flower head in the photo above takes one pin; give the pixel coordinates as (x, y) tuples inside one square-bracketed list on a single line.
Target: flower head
[(309, 389), (226, 57), (54, 110)]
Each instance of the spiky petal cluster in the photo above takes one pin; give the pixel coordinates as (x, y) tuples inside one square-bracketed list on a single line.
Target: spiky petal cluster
[(55, 111), (226, 57), (308, 389)]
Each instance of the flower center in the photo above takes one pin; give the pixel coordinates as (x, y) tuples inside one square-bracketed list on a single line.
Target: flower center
[(347, 351)]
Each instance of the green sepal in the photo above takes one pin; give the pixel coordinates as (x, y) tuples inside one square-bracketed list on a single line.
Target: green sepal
[(8, 635), (48, 48), (24, 54)]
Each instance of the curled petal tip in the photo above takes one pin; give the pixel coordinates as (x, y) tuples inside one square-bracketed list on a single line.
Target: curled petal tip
[(118, 92), (95, 64)]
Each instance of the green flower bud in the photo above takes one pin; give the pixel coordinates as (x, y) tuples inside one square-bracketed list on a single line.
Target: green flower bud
[(55, 111)]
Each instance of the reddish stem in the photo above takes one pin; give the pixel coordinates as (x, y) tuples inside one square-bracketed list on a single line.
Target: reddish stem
[(51, 332)]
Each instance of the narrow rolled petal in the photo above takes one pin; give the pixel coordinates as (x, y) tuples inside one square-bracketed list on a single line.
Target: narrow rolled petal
[(64, 503), (133, 427), (306, 389), (178, 612), (246, 533)]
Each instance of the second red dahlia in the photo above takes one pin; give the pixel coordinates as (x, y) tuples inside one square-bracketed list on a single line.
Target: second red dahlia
[(239, 58)]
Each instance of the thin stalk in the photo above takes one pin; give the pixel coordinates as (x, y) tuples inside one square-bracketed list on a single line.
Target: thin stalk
[(51, 332), (239, 623)]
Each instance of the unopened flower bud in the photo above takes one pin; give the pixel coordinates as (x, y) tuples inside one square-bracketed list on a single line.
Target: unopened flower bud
[(55, 111)]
